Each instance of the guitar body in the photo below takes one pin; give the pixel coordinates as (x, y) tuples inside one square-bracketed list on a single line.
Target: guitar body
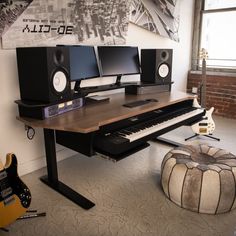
[(15, 196), (206, 126)]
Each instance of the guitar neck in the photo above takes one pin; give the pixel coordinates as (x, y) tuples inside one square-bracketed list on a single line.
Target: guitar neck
[(203, 87)]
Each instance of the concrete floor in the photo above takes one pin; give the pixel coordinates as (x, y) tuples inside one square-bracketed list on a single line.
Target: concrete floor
[(129, 199)]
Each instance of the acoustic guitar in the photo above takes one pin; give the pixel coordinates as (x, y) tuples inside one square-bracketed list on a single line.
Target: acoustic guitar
[(15, 196), (207, 125)]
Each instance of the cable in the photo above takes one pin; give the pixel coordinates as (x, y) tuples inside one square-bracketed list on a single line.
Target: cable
[(30, 132)]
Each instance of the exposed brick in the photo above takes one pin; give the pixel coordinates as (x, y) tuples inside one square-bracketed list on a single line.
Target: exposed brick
[(220, 93)]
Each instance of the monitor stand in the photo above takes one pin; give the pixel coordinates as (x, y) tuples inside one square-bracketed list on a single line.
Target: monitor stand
[(118, 79), (77, 85), (84, 91)]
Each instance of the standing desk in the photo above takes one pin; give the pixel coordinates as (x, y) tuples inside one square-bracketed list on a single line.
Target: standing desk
[(88, 120)]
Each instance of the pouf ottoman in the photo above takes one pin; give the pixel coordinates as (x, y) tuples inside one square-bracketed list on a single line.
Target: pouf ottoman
[(200, 178)]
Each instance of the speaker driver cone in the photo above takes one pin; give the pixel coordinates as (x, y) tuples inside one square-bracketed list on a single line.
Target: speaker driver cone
[(59, 82), (163, 70)]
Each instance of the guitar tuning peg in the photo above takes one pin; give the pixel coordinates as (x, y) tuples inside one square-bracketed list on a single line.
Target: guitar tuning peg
[(203, 54)]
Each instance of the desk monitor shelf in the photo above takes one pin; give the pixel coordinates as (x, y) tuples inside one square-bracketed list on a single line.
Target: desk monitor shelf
[(144, 88), (84, 91)]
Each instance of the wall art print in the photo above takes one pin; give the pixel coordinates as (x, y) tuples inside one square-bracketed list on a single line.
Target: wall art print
[(52, 22), (9, 11), (158, 16)]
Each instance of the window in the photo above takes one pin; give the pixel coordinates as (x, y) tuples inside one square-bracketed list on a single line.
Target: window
[(215, 20)]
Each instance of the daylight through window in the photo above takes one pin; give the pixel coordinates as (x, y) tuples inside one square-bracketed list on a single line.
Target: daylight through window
[(218, 34)]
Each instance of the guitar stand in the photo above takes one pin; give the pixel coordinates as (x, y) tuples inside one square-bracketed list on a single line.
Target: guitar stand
[(196, 135)]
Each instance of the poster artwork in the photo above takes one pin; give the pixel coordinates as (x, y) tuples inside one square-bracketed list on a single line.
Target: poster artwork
[(52, 22), (9, 11), (158, 16)]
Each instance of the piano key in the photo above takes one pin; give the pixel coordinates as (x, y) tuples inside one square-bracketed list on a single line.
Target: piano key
[(162, 125), (145, 127)]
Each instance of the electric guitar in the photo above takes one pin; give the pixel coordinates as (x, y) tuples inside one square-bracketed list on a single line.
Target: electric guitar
[(15, 196), (207, 125)]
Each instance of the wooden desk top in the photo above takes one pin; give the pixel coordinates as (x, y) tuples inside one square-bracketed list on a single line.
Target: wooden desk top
[(90, 117)]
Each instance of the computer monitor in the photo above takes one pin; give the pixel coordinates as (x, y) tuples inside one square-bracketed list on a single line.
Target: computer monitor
[(118, 61), (83, 63)]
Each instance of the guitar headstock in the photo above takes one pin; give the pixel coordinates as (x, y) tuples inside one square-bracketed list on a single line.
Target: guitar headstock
[(203, 54)]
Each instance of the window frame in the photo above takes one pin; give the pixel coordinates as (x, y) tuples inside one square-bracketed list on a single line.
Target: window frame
[(197, 29)]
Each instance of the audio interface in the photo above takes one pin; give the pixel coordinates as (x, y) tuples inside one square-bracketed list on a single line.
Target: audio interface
[(43, 111)]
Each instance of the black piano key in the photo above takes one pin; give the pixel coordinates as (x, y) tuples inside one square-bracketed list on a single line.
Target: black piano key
[(126, 131), (121, 134)]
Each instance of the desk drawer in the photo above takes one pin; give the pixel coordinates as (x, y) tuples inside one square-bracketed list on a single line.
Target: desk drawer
[(82, 143)]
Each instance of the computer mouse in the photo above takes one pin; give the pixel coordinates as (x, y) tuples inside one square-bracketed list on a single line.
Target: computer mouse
[(151, 100)]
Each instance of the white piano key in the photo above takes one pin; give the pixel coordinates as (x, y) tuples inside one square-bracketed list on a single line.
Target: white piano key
[(152, 129)]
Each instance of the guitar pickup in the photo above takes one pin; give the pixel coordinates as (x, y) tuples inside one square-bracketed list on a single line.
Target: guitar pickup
[(203, 124), (9, 200), (3, 175), (6, 192)]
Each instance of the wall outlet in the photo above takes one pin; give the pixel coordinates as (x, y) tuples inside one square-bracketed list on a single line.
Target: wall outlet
[(194, 89)]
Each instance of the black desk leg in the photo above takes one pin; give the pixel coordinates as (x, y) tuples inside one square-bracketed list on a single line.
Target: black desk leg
[(52, 178)]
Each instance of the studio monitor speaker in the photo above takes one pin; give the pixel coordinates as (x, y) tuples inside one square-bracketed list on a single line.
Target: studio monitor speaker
[(44, 74), (156, 66)]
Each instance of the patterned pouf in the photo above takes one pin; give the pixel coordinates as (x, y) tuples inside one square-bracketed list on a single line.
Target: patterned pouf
[(200, 178)]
